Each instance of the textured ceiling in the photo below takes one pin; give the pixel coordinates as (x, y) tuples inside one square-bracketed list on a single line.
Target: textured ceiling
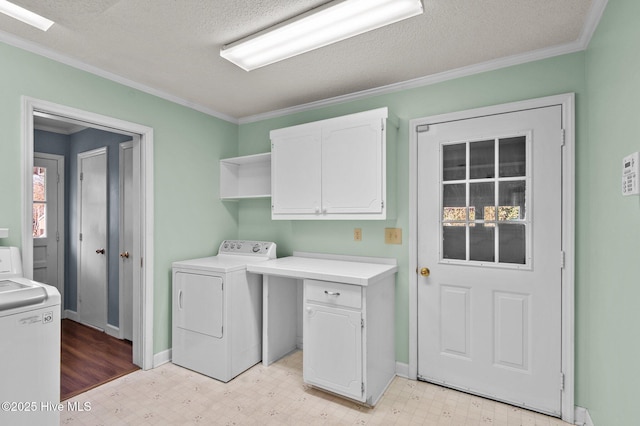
[(172, 46)]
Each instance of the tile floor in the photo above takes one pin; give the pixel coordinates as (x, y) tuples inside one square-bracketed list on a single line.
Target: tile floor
[(276, 395)]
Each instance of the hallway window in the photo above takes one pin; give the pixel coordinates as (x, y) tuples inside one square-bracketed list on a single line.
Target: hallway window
[(39, 202)]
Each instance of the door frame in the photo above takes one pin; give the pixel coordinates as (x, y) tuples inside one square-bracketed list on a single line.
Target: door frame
[(61, 214), (567, 103), (143, 279), (121, 182)]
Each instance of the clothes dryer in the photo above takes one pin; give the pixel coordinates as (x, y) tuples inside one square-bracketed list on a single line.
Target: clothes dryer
[(217, 310)]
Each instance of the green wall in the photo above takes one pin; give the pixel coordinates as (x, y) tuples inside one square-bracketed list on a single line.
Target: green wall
[(543, 78), (609, 237), (190, 221)]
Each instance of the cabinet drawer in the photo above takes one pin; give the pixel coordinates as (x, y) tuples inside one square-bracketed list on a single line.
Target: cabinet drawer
[(332, 293)]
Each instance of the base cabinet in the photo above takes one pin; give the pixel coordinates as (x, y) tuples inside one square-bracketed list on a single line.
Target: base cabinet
[(347, 350)]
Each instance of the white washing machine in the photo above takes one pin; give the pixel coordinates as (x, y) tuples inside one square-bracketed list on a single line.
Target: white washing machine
[(217, 310), (30, 348)]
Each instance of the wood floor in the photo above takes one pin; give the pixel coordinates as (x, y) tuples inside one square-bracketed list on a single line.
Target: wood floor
[(90, 358)]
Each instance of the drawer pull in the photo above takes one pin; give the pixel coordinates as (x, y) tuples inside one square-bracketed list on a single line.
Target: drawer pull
[(331, 293)]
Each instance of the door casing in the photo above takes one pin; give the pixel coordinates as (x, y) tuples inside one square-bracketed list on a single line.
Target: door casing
[(143, 278), (567, 102)]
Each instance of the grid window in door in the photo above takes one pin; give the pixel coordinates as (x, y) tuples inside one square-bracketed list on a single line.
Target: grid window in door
[(39, 215), (485, 201)]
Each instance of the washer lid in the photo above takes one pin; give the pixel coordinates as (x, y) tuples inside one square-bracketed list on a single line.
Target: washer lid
[(221, 264), (18, 292)]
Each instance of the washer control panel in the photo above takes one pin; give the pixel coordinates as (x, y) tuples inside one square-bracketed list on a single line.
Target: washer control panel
[(249, 248)]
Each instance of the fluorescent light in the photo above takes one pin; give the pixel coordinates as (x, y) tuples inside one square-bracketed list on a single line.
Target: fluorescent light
[(25, 15), (320, 27)]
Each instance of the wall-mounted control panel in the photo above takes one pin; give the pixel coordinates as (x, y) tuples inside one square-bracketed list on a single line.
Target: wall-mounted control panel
[(630, 175)]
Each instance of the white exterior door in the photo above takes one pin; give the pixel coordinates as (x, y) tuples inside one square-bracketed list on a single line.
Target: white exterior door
[(489, 231), (48, 220), (92, 261)]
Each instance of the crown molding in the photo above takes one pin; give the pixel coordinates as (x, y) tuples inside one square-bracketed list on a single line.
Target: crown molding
[(589, 27), (29, 46)]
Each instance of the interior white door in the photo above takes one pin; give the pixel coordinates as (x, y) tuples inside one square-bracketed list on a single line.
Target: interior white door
[(48, 219), (489, 231), (92, 261), (127, 201)]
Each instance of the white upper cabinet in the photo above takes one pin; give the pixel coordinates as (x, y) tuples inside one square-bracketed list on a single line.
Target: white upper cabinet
[(331, 169)]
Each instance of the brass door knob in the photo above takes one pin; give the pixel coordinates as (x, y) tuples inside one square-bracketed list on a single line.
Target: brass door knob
[(100, 251), (124, 254), (425, 272)]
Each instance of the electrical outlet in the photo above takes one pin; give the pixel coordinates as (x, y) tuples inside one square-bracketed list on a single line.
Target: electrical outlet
[(393, 235), (357, 234)]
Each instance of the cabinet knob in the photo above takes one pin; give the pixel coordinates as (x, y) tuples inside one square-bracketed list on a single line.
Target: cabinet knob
[(309, 309)]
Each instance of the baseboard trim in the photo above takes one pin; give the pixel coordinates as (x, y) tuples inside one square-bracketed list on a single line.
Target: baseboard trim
[(161, 358), (72, 315), (402, 369), (113, 331), (582, 417)]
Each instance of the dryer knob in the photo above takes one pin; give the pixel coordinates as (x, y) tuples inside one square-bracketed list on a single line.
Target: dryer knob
[(256, 248)]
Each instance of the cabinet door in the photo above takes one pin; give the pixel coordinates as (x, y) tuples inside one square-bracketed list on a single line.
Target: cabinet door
[(332, 356), (295, 171), (353, 166)]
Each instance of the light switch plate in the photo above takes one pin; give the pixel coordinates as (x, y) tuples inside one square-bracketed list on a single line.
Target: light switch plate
[(357, 234), (393, 235), (4, 232)]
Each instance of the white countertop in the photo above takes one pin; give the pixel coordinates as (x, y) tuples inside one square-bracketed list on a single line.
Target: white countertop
[(326, 269)]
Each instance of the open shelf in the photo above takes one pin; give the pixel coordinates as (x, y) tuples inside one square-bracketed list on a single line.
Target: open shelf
[(245, 177)]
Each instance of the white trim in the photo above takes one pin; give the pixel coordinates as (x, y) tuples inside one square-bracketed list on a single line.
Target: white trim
[(143, 315), (121, 147), (162, 358), (582, 417), (567, 102), (71, 315), (402, 369), (113, 331), (591, 23), (38, 49)]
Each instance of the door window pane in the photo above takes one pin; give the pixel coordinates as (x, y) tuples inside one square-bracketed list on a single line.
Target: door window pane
[(482, 243), (39, 214), (512, 243), (454, 161), (511, 200), (454, 202), (482, 201), (454, 242), (39, 184), (482, 159), (513, 154)]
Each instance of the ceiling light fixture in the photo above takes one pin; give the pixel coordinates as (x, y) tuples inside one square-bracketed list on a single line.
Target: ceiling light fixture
[(24, 15), (336, 21)]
